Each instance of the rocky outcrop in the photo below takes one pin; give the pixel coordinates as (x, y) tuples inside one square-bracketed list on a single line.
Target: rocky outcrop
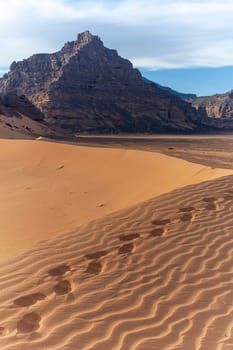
[(88, 87), (217, 106), (12, 105)]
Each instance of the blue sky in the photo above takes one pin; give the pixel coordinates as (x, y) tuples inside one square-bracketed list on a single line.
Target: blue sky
[(185, 44), (201, 81)]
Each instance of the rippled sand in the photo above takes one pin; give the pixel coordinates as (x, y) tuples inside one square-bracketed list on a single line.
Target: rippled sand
[(148, 265)]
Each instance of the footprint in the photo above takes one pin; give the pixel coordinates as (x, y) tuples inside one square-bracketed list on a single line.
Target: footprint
[(129, 237), (211, 203), (126, 248), (100, 205), (62, 287), (211, 206), (94, 267), (157, 232), (187, 217), (29, 323), (59, 270), (96, 255), (161, 222), (28, 300), (186, 209)]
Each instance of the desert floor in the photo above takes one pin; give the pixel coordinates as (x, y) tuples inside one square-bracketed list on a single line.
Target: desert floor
[(117, 247), (209, 150)]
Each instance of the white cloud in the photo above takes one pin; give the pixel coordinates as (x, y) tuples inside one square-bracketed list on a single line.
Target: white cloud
[(154, 64), (154, 34)]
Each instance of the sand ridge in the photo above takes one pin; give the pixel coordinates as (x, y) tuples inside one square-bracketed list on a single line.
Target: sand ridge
[(49, 188), (157, 275)]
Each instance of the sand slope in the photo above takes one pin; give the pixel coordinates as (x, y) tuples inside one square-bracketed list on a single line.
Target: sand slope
[(23, 127), (158, 275), (48, 188)]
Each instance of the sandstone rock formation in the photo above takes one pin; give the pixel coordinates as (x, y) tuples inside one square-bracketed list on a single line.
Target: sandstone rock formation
[(87, 87), (217, 106)]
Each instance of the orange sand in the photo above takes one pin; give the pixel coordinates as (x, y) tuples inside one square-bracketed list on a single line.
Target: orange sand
[(48, 188), (158, 275), (152, 274)]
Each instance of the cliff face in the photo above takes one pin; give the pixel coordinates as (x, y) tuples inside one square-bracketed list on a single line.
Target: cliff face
[(87, 87), (217, 106)]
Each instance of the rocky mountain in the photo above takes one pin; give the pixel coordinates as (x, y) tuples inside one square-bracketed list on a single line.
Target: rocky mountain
[(217, 106), (88, 87)]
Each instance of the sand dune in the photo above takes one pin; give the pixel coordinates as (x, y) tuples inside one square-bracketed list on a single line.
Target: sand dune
[(48, 189), (118, 254), (158, 275)]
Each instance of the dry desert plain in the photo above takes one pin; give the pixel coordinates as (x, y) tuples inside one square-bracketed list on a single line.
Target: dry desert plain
[(117, 243)]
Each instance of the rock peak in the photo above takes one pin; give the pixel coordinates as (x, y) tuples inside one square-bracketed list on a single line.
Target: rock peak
[(88, 87), (86, 37)]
